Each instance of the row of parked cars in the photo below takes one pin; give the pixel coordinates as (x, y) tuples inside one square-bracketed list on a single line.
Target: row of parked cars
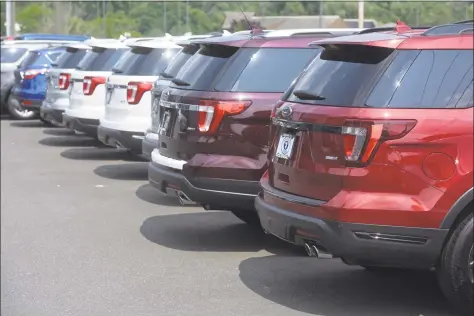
[(354, 144)]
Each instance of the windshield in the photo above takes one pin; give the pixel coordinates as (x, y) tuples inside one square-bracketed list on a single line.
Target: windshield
[(101, 59), (144, 61), (11, 54), (180, 59), (70, 58)]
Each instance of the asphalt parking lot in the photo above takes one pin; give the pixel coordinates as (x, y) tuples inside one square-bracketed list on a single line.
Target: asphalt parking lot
[(82, 233)]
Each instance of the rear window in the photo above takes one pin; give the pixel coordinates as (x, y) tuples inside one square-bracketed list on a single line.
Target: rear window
[(37, 58), (144, 61), (356, 75), (340, 75), (101, 59), (11, 54), (273, 69), (203, 67), (179, 60), (70, 58), (426, 79)]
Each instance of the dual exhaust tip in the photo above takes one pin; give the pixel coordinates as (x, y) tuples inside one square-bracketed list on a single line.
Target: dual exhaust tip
[(316, 251)]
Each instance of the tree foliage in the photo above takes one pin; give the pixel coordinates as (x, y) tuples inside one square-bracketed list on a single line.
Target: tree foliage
[(111, 18)]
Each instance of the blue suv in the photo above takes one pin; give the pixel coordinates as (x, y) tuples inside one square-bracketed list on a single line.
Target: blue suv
[(30, 79)]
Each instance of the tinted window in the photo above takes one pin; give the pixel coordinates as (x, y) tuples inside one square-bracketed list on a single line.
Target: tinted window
[(70, 58), (341, 75), (273, 69), (101, 59), (11, 54), (203, 67), (144, 61), (426, 79), (180, 59), (29, 59)]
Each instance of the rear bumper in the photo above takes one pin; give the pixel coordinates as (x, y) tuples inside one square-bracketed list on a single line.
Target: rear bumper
[(361, 244), (33, 105), (121, 139), (87, 126), (52, 115), (218, 193)]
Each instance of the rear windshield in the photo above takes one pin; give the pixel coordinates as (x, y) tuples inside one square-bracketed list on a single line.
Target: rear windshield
[(101, 59), (179, 60), (201, 70), (37, 58), (357, 75), (144, 61), (11, 54), (70, 58), (223, 68)]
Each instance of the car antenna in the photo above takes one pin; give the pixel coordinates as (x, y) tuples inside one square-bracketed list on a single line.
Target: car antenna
[(253, 30)]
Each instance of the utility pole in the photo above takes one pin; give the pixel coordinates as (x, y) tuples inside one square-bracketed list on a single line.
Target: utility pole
[(187, 15), (104, 17), (321, 12), (361, 14), (10, 18), (165, 26), (179, 16)]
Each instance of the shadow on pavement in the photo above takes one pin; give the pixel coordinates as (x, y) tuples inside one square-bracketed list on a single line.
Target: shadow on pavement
[(95, 153), (151, 195), (331, 288), (56, 131), (127, 171), (27, 124), (70, 141), (211, 232)]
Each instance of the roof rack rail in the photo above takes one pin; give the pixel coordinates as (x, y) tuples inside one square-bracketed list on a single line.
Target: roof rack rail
[(447, 29), (390, 28), (464, 22), (471, 30)]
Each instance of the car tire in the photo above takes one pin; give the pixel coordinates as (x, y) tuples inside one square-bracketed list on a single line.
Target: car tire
[(455, 270), (248, 216), (17, 112)]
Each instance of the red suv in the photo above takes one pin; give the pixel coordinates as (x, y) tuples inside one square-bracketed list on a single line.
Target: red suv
[(371, 156), (215, 119)]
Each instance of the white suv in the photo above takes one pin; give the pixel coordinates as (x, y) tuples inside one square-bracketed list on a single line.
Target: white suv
[(58, 89), (87, 92), (127, 103)]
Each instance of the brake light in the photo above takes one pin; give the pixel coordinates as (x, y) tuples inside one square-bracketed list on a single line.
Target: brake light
[(135, 91), (212, 112), (30, 74), (64, 81), (361, 139), (90, 83)]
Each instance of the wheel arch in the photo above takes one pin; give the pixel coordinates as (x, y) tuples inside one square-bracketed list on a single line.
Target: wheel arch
[(460, 208)]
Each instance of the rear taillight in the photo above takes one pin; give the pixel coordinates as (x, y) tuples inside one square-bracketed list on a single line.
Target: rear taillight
[(64, 81), (135, 91), (90, 83), (212, 112), (30, 74), (361, 139)]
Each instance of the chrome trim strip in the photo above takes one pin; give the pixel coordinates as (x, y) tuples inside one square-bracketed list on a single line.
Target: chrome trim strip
[(156, 157), (393, 238)]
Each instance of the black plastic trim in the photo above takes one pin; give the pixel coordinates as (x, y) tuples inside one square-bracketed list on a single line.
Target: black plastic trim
[(457, 208)]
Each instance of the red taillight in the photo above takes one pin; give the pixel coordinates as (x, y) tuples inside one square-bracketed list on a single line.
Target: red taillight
[(135, 91), (90, 83), (361, 139), (212, 112), (64, 80), (30, 74), (275, 108)]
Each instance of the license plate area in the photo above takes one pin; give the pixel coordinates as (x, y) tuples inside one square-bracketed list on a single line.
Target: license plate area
[(285, 146), (165, 123)]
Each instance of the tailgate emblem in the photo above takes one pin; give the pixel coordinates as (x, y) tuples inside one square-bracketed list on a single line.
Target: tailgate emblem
[(286, 111)]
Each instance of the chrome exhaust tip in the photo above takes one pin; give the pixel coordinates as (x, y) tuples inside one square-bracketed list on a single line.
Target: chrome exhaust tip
[(184, 199), (316, 251)]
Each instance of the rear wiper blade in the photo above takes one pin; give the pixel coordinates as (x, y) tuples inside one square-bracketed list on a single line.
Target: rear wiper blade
[(165, 75), (305, 95), (179, 82), (117, 71)]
